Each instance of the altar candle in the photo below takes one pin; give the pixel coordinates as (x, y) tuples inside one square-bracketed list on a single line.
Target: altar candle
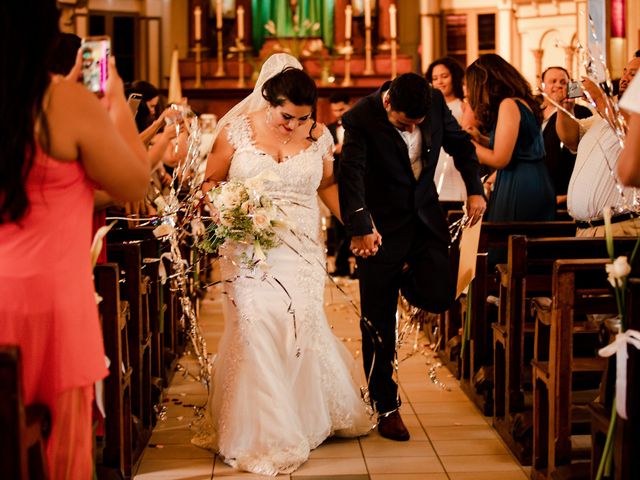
[(348, 12), (367, 13), (240, 19), (392, 21), (219, 14), (197, 15)]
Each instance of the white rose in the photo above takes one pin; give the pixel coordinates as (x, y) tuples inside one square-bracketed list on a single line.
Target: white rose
[(261, 219), (618, 270)]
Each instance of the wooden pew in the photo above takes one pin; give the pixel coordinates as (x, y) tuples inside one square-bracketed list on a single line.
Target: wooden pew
[(626, 460), (151, 250), (578, 287), (133, 289), (477, 359), (527, 274), (117, 443), (22, 429)]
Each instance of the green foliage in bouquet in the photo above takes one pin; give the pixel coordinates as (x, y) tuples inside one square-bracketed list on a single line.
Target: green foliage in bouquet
[(241, 214)]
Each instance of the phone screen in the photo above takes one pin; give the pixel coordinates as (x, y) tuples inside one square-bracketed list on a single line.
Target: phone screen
[(95, 63)]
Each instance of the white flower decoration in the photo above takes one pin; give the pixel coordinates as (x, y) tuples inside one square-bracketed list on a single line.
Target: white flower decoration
[(618, 271)]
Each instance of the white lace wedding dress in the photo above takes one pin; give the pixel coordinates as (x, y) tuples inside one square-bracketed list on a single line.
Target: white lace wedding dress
[(282, 382)]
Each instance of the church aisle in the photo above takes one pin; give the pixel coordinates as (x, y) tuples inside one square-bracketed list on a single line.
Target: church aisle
[(450, 439)]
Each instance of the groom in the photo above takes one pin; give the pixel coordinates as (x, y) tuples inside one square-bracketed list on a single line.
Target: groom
[(390, 208)]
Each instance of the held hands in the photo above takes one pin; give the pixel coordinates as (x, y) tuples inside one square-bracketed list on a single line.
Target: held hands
[(476, 206), (366, 245)]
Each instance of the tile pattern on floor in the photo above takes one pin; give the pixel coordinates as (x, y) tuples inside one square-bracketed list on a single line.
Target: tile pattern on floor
[(450, 439)]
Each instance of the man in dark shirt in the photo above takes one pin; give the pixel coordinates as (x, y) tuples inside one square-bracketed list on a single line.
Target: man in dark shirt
[(558, 159)]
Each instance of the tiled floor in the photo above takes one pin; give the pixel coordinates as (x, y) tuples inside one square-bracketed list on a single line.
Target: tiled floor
[(450, 439)]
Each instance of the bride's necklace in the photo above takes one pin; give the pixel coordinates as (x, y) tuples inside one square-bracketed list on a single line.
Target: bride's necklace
[(284, 141)]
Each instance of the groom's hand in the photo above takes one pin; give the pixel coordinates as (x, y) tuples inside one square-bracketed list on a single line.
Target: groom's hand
[(476, 206), (366, 245)]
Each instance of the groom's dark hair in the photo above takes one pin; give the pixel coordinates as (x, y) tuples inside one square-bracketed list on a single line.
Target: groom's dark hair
[(410, 94), (290, 84)]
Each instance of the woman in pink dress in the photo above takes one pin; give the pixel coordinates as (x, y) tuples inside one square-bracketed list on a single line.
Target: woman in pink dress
[(56, 142)]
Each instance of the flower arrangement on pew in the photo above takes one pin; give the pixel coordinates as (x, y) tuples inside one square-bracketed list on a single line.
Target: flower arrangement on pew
[(241, 212), (618, 271)]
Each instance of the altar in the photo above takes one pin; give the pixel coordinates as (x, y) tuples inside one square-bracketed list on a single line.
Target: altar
[(342, 44)]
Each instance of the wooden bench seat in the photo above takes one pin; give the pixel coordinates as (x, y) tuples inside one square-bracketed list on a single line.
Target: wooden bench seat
[(116, 446), (578, 286), (528, 274), (23, 429), (477, 359), (626, 448), (133, 289)]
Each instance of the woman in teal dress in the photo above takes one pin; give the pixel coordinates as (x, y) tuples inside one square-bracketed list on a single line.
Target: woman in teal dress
[(502, 100)]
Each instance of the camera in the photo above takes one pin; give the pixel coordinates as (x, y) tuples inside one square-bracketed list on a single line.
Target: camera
[(574, 90)]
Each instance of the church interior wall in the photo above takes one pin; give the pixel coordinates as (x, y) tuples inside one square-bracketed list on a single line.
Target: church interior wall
[(521, 28)]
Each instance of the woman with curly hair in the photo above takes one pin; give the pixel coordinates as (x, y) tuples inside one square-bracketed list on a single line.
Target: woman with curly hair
[(502, 101)]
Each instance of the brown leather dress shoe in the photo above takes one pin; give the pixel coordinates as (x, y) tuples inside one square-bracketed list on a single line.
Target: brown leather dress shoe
[(392, 427)]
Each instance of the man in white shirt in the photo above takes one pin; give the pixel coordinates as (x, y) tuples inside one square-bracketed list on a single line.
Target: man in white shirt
[(594, 184), (629, 161)]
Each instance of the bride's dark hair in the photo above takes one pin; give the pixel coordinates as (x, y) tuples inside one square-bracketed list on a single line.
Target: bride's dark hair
[(294, 85), (27, 33)]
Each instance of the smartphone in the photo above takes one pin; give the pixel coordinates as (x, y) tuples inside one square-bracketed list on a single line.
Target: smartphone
[(134, 102), (95, 63), (574, 90)]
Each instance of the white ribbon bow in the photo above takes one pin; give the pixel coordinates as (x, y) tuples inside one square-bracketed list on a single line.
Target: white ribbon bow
[(619, 348)]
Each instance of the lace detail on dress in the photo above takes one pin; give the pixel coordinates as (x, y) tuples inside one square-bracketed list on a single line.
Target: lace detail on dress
[(325, 144), (239, 133), (268, 406)]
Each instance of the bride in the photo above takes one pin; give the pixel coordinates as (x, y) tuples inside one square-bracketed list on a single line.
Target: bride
[(282, 382)]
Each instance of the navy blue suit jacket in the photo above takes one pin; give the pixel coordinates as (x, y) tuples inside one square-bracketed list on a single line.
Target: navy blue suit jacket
[(376, 180)]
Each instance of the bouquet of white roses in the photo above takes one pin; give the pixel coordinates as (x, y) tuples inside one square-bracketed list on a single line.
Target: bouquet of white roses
[(242, 213)]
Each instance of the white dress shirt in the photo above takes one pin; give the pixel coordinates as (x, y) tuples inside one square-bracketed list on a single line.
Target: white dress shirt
[(592, 186), (630, 101)]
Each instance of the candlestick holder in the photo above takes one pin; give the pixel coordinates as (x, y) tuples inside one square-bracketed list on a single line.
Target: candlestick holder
[(394, 58), (239, 49), (368, 63), (198, 50), (220, 69), (347, 50)]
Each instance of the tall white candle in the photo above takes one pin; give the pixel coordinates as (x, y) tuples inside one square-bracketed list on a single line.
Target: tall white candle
[(367, 13), (218, 13), (424, 7), (240, 19), (348, 13), (197, 16), (392, 21)]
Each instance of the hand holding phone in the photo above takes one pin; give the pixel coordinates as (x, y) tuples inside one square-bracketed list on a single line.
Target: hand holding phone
[(95, 53), (574, 90), (134, 102)]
